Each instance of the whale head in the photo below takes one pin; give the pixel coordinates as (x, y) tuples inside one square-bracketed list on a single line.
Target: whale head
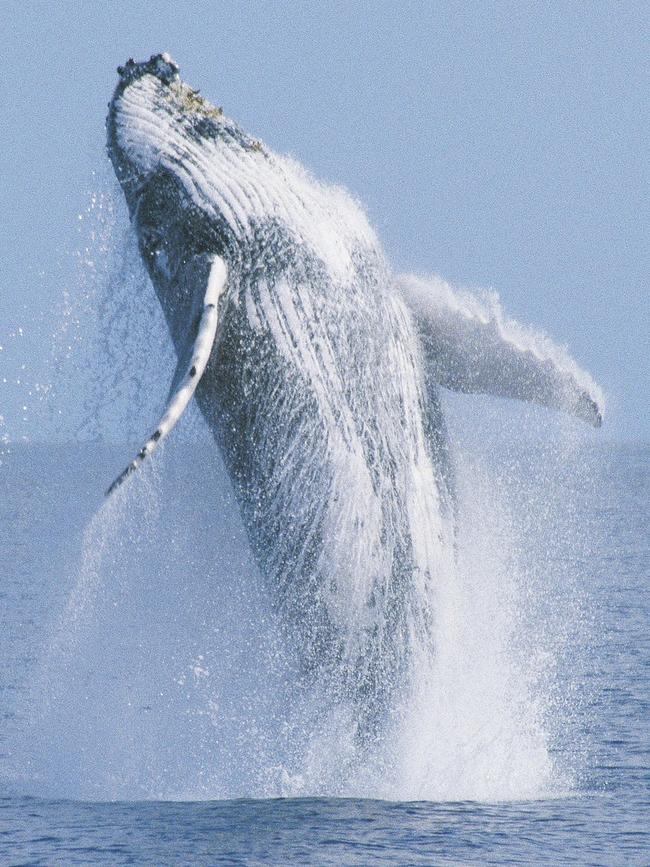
[(183, 167), (196, 182)]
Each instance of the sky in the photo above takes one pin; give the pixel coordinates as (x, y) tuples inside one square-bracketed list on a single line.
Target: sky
[(500, 145)]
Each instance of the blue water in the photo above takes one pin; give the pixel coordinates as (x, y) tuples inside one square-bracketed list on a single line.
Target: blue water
[(97, 767), (588, 830)]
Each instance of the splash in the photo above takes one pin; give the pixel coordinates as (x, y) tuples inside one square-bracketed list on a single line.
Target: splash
[(170, 674)]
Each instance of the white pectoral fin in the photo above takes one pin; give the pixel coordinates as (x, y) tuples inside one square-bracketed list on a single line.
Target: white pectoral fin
[(471, 346), (201, 348)]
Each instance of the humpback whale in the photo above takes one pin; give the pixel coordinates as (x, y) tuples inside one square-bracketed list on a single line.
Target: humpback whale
[(318, 372)]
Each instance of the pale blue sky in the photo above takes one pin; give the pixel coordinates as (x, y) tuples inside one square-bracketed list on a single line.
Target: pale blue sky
[(502, 145)]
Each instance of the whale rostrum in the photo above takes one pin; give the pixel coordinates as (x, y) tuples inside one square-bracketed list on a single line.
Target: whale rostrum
[(318, 373)]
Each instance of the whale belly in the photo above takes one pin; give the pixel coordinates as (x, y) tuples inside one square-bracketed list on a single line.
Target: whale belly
[(317, 398)]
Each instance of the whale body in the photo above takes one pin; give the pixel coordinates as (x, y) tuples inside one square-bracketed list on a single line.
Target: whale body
[(318, 372)]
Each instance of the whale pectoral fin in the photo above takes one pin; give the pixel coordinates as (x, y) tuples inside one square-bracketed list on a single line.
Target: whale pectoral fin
[(188, 372), (471, 346)]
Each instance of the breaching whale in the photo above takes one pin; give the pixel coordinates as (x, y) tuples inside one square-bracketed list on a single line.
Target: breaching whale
[(318, 372)]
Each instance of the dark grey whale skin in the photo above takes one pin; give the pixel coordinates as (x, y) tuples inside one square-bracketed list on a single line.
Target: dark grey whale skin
[(261, 408)]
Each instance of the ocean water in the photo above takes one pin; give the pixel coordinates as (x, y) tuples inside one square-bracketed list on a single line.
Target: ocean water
[(149, 713)]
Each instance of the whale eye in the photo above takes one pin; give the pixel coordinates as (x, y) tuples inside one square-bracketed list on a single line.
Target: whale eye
[(162, 261)]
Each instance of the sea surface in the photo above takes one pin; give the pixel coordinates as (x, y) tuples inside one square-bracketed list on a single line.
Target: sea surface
[(121, 653)]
